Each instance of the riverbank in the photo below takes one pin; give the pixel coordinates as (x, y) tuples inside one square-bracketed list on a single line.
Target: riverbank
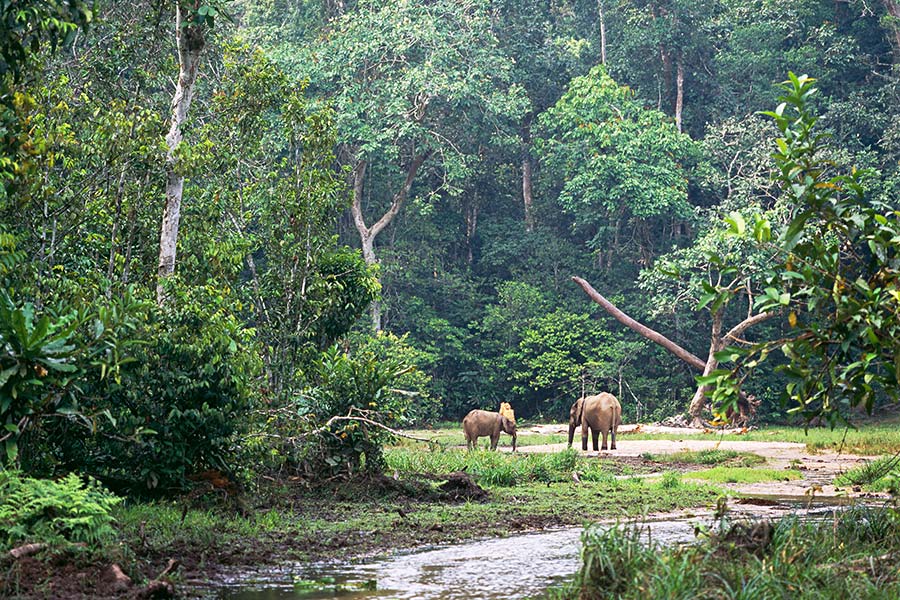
[(426, 498)]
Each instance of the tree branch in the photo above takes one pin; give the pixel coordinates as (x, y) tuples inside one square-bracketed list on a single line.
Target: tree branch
[(400, 196), (654, 336), (737, 330)]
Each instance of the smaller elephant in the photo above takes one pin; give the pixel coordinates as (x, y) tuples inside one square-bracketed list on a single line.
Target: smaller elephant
[(601, 414), (480, 423)]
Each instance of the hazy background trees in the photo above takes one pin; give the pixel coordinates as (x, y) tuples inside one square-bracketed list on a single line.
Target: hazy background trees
[(444, 168)]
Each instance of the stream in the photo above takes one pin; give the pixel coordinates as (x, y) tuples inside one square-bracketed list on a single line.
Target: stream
[(518, 566)]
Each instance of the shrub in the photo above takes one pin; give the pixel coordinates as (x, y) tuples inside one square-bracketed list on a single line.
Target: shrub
[(54, 512), (178, 410)]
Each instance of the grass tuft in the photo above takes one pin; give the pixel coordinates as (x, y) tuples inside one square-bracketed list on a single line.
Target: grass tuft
[(744, 475)]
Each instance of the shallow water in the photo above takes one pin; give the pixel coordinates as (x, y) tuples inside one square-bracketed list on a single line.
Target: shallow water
[(518, 566)]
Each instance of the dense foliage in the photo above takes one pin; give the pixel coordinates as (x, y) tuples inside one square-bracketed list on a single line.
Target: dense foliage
[(65, 511), (447, 168)]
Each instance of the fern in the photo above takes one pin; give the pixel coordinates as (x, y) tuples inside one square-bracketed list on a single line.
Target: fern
[(54, 512)]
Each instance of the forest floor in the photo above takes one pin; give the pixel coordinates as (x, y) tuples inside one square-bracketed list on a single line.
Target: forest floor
[(430, 497)]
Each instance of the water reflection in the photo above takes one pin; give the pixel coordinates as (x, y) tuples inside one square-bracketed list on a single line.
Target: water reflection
[(520, 566)]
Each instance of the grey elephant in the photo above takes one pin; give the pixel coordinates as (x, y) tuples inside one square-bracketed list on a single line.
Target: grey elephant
[(479, 423), (601, 413)]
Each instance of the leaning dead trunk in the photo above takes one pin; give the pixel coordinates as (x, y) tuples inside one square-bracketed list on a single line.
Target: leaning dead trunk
[(718, 342), (190, 42)]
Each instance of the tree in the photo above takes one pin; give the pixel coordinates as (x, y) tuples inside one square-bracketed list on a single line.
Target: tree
[(25, 27), (835, 276), (407, 95), (192, 17), (620, 169)]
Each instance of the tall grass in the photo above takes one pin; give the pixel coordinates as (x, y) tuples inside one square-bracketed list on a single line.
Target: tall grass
[(852, 554), (879, 474), (497, 468)]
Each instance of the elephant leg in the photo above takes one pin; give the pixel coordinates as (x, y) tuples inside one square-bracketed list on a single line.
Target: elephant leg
[(494, 439), (612, 434), (603, 447), (595, 437), (584, 437)]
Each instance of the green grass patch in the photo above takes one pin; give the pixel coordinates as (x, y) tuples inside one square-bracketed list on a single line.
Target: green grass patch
[(499, 468), (294, 524), (709, 457), (854, 554), (722, 474)]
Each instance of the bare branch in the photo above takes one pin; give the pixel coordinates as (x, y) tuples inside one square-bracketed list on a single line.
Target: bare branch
[(654, 336)]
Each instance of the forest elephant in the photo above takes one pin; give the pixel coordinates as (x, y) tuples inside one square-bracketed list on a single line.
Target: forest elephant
[(601, 414), (479, 423)]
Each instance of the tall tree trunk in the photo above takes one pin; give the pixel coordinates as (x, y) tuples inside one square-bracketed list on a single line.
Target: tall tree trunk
[(602, 24), (698, 402), (190, 42), (471, 226), (893, 27), (367, 235), (679, 92), (527, 193)]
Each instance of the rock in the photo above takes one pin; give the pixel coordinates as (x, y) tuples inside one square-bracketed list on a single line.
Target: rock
[(116, 579)]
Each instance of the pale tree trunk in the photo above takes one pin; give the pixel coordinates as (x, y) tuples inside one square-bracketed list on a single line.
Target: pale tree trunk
[(367, 235), (893, 27), (527, 193), (698, 402), (602, 24), (679, 93), (718, 342), (190, 44), (471, 226)]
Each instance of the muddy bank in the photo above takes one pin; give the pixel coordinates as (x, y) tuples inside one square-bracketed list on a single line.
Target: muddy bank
[(286, 522)]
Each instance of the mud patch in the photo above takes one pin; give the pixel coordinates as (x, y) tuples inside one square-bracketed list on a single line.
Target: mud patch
[(58, 576), (460, 487)]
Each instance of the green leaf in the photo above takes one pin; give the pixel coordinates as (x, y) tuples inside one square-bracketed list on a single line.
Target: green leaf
[(736, 222)]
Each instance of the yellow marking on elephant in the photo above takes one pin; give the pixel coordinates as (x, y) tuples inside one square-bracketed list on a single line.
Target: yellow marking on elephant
[(507, 411)]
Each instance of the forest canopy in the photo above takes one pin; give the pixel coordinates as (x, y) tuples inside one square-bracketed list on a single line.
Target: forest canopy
[(271, 233)]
